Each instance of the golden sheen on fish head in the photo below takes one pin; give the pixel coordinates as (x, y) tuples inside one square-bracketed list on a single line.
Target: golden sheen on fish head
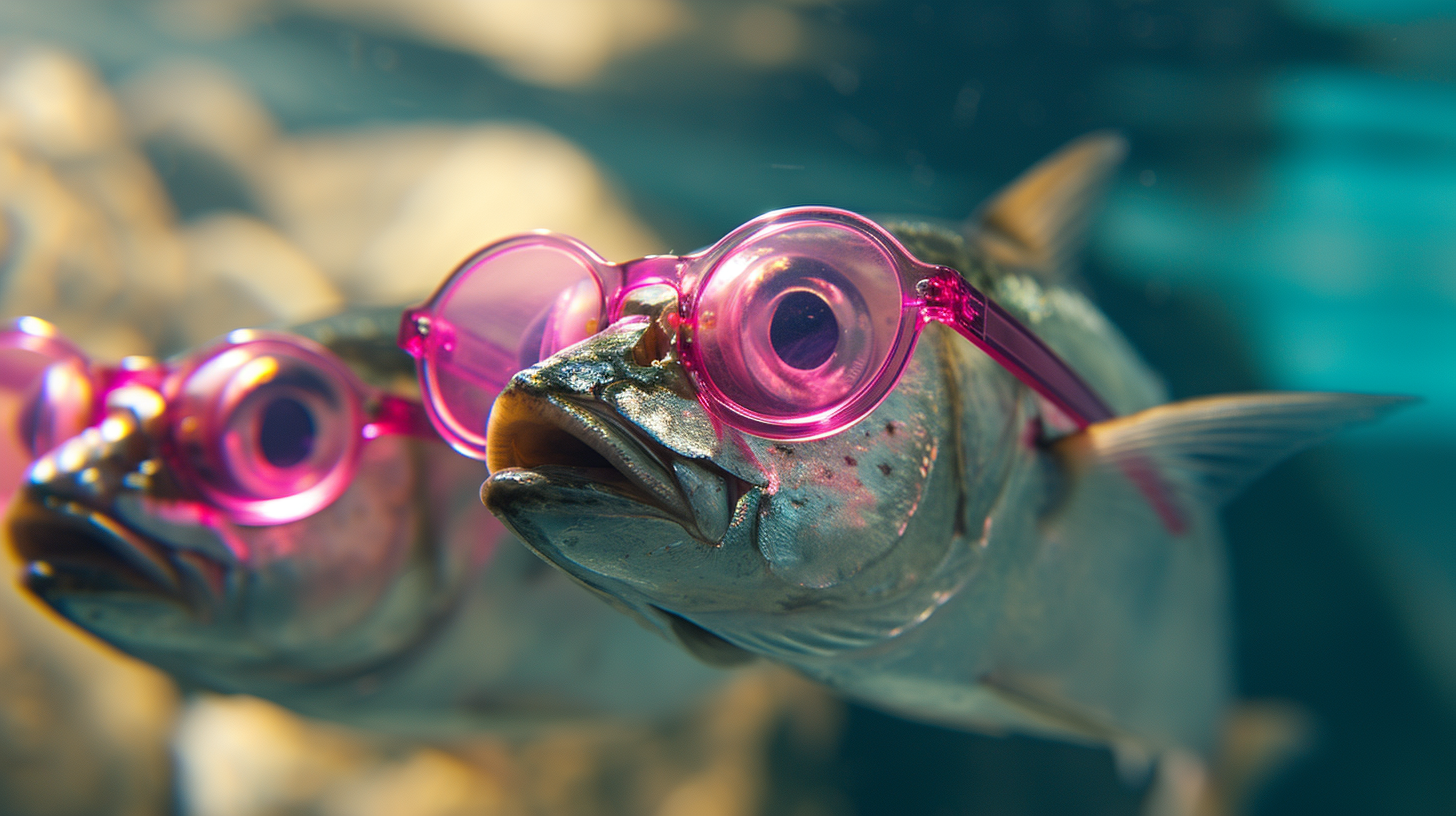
[(604, 461), (113, 541)]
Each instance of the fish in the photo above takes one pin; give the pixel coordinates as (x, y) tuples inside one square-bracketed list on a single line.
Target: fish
[(964, 555), (402, 606)]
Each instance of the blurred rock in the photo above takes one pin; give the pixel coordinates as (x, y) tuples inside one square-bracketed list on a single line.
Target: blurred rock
[(243, 273), (83, 731), (243, 757), (387, 211), (550, 42), (89, 242), (198, 103), (436, 195)]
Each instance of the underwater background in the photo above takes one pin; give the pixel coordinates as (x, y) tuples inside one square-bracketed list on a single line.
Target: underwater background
[(1286, 220)]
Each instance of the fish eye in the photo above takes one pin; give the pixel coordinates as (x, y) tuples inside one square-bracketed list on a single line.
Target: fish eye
[(286, 432), (803, 331)]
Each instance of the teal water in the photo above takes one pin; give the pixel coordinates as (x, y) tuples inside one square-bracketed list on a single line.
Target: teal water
[(1287, 219)]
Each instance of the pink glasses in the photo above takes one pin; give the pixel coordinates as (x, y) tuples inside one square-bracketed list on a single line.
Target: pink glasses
[(794, 326), (265, 426)]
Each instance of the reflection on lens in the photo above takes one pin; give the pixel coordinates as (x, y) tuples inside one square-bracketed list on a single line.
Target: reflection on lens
[(803, 332), (286, 435)]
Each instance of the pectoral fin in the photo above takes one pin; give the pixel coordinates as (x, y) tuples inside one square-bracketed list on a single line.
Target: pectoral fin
[(1040, 220), (1043, 711), (1210, 448)]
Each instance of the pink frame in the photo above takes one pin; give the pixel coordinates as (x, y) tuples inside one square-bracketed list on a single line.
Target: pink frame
[(170, 380), (928, 293)]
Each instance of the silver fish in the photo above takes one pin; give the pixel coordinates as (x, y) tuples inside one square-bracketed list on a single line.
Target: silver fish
[(959, 556), (402, 606)]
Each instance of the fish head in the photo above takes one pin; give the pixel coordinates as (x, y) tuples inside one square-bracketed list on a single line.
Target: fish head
[(605, 461), (111, 539)]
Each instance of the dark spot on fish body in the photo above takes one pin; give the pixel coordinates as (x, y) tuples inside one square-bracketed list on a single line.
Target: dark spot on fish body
[(826, 474), (890, 429), (886, 469), (851, 461), (783, 449), (797, 502)]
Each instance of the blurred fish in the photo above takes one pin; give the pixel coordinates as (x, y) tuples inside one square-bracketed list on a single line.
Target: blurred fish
[(399, 605), (962, 555)]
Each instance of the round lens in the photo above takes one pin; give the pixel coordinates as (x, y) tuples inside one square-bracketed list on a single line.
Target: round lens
[(268, 427), (794, 320), (504, 310), (45, 385), (61, 404)]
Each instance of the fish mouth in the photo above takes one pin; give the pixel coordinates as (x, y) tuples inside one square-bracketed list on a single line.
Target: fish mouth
[(578, 441), (69, 548)]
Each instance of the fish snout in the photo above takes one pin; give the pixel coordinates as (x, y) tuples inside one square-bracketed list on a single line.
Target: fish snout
[(61, 523), (119, 453)]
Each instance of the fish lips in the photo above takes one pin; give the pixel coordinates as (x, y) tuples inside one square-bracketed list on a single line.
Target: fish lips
[(71, 549), (565, 514), (575, 458)]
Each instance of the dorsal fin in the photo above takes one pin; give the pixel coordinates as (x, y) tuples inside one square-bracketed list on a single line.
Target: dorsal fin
[(1040, 220), (1211, 447)]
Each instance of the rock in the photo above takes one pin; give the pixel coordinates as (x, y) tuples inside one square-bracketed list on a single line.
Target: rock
[(243, 757), (90, 242), (387, 211), (83, 730), (243, 273)]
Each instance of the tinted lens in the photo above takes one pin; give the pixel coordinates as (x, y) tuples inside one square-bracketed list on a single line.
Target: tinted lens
[(268, 429), (60, 404), (505, 310), (286, 434), (803, 332), (46, 395), (795, 320)]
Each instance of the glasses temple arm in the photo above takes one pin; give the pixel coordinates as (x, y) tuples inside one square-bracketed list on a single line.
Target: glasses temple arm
[(400, 417), (949, 299)]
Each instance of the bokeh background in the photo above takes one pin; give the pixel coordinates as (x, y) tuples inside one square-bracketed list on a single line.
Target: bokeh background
[(1286, 219)]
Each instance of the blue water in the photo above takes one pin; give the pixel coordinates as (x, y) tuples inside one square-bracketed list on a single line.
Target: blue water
[(1287, 219)]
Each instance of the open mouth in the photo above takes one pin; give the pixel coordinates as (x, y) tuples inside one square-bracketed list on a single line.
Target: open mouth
[(69, 548), (585, 442)]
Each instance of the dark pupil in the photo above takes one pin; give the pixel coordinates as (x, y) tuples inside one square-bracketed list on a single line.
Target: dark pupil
[(804, 331), (287, 433)]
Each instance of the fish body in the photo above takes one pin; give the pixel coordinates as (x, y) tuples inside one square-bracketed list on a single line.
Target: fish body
[(962, 555), (402, 605)]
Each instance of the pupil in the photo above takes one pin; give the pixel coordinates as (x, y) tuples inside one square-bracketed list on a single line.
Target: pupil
[(804, 332), (286, 435)]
